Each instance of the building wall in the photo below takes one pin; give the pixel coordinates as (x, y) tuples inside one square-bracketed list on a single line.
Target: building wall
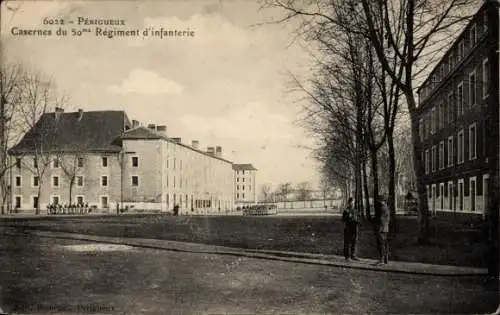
[(245, 186), (92, 189), (167, 173), (453, 123), (174, 174)]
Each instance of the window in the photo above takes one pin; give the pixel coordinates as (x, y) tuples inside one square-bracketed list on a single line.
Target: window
[(18, 181), (473, 35), (35, 202), (104, 202), (104, 181), (55, 200), (238, 180), (79, 200), (450, 151), (17, 203), (18, 162), (485, 21), (238, 195), (427, 161), (433, 120), (36, 181), (440, 116), (460, 147), (104, 161), (35, 163), (243, 179), (486, 78), (461, 46), (80, 162), (460, 99), (472, 194), (433, 162), (460, 194), (135, 161), (451, 62), (237, 187), (445, 114), (79, 181), (135, 180), (472, 142), (55, 163), (243, 196), (451, 107), (441, 155), (472, 88), (242, 187), (55, 181)]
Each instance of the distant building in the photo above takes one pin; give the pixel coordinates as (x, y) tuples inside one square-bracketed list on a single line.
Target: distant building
[(245, 183), (455, 104), (112, 162)]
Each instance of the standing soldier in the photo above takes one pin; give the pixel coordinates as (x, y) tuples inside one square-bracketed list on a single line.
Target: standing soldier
[(351, 221), (383, 230)]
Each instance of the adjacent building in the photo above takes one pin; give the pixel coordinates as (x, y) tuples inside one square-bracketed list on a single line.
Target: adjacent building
[(455, 105), (245, 183), (103, 159)]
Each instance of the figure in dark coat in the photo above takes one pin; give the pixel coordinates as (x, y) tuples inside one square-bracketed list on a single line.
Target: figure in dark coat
[(383, 230), (351, 221)]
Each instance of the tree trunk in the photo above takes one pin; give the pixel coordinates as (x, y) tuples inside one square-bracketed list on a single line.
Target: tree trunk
[(71, 182), (391, 201), (423, 205), (375, 181), (366, 191), (38, 193)]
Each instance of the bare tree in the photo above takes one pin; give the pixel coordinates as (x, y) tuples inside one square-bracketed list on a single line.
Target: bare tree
[(266, 192), (406, 36), (37, 95), (303, 190), (284, 190)]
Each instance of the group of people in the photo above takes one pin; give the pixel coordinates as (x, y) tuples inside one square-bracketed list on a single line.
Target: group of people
[(79, 208), (351, 220)]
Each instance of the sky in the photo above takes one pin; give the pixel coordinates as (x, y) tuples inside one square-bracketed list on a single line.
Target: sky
[(227, 85)]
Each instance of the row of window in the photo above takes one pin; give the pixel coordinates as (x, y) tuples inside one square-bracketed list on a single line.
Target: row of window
[(79, 181), (441, 160), (243, 187), (451, 195), (242, 179), (444, 113), (238, 196), (79, 163), (456, 54)]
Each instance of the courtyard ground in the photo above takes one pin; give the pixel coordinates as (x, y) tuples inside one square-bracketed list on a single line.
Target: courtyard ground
[(49, 275), (453, 243)]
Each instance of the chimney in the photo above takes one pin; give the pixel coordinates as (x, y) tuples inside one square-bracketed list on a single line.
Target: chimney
[(161, 129), (58, 112), (210, 150), (80, 114), (195, 144), (135, 123), (218, 151), (178, 140), (152, 127)]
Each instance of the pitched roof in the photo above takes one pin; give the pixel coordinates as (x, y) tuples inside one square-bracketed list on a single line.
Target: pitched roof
[(95, 131), (243, 167), (141, 133)]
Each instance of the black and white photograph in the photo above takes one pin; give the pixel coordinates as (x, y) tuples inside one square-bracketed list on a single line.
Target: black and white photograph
[(249, 157)]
